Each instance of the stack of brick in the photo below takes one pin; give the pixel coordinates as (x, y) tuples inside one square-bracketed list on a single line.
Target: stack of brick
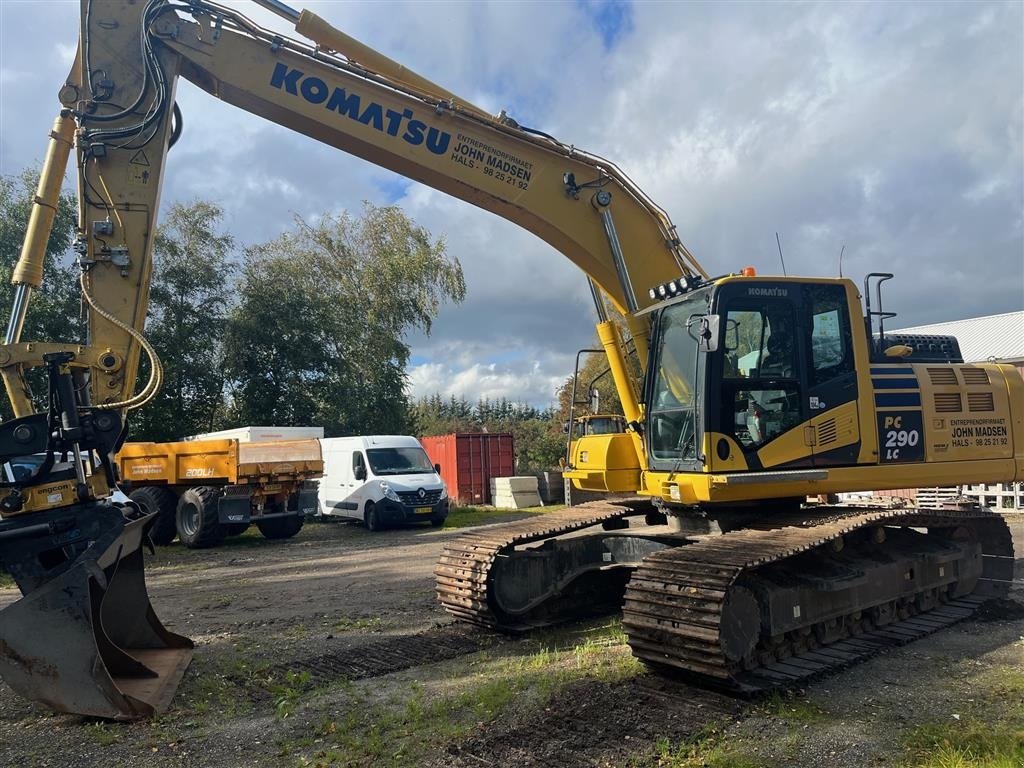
[(514, 492)]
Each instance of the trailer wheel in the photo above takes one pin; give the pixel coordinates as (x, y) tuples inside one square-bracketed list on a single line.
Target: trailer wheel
[(280, 527), (372, 518), (198, 520), (163, 501), (237, 529)]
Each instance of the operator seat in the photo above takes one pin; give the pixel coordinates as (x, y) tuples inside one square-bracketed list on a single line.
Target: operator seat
[(779, 357)]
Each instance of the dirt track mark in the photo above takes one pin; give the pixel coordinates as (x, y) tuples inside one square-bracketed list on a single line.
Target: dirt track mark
[(595, 723), (392, 654)]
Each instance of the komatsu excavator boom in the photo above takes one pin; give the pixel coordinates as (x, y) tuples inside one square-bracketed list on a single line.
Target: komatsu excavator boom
[(753, 391)]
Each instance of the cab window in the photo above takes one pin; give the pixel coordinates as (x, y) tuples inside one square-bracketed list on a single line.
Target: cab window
[(673, 425), (830, 333), (760, 377)]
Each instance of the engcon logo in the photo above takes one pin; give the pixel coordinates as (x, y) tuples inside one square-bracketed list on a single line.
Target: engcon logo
[(316, 91)]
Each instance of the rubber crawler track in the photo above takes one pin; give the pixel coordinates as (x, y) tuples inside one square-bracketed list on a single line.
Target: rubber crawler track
[(464, 567), (674, 600)]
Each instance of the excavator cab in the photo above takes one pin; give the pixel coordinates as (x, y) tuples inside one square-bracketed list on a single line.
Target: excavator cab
[(83, 638), (775, 388)]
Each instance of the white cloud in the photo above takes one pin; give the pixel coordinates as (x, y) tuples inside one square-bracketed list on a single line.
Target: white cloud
[(485, 380), (893, 128)]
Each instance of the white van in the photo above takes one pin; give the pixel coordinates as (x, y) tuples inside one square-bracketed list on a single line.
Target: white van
[(382, 480)]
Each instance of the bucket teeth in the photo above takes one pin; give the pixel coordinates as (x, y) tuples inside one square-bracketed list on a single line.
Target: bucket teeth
[(85, 638)]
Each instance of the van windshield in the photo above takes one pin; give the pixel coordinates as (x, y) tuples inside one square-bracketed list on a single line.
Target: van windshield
[(399, 461)]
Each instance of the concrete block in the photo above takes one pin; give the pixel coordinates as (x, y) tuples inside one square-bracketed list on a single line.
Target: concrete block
[(516, 499), (514, 484)]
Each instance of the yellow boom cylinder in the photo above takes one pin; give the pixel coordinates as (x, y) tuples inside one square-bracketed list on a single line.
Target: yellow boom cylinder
[(608, 333), (29, 269)]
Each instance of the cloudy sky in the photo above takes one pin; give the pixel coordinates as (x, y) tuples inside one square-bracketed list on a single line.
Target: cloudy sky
[(894, 129)]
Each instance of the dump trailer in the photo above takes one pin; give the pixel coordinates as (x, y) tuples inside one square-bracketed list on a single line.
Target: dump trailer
[(205, 490)]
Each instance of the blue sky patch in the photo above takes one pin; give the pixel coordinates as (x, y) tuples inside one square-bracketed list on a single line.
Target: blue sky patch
[(613, 18)]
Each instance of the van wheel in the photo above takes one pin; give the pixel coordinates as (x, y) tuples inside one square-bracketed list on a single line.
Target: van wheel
[(280, 527), (436, 522), (197, 518), (163, 501), (372, 518)]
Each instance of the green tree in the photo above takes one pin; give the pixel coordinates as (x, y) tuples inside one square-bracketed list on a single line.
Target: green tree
[(537, 434), (53, 313), (189, 298), (318, 335)]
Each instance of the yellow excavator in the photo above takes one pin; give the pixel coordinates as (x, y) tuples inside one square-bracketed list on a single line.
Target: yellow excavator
[(754, 392)]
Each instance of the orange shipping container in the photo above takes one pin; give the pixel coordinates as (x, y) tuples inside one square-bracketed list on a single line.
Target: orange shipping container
[(468, 461)]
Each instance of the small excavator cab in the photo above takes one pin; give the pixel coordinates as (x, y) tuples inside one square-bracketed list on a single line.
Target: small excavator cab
[(83, 638)]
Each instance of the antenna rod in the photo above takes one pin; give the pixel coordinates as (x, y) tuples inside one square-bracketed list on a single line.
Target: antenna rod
[(841, 250), (779, 243)]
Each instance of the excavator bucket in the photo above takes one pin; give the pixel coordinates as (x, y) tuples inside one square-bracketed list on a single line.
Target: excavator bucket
[(84, 637)]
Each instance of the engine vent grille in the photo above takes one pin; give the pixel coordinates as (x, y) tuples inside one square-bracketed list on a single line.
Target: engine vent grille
[(948, 402), (827, 432), (974, 376), (944, 376), (980, 401)]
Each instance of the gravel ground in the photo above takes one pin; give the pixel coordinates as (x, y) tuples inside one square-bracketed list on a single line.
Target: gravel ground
[(298, 641)]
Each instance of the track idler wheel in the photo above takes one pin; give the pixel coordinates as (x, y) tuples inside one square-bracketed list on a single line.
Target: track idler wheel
[(84, 637)]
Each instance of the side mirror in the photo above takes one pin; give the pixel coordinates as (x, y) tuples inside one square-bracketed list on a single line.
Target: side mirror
[(595, 401), (360, 472), (437, 468), (707, 333), (565, 427)]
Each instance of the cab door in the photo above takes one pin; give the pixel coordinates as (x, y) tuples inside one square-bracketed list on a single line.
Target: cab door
[(758, 393), (832, 432)]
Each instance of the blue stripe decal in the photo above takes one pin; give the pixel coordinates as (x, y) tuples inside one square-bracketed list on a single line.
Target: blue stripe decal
[(895, 383), (900, 370), (894, 399)]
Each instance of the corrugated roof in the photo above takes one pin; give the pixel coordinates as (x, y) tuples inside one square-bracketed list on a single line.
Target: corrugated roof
[(999, 337)]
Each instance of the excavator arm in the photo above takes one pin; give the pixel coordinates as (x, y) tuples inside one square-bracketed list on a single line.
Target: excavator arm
[(74, 553), (121, 92)]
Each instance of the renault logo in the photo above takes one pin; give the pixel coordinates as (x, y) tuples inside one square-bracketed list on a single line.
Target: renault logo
[(422, 493)]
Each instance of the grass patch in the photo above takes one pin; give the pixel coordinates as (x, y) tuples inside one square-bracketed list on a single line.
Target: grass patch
[(707, 749), (406, 728), (357, 624), (464, 517), (288, 691), (794, 709), (230, 686), (102, 733), (967, 743), (6, 581), (1003, 683)]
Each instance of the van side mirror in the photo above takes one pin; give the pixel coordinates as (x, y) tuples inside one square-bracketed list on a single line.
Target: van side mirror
[(360, 472), (437, 468)]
